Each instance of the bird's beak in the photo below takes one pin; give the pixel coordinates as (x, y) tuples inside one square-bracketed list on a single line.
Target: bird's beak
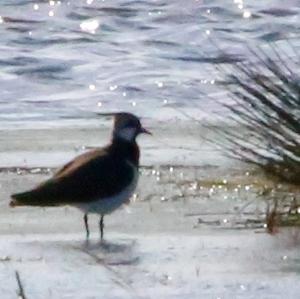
[(145, 131)]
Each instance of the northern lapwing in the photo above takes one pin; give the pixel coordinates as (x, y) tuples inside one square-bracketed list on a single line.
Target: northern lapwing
[(98, 181)]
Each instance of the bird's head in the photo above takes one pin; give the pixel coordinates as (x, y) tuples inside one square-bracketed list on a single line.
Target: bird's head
[(127, 126)]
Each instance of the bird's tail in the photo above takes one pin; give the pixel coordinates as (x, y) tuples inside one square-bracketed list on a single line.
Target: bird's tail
[(24, 199)]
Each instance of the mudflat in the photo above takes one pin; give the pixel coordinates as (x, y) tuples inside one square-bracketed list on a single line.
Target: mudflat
[(194, 229)]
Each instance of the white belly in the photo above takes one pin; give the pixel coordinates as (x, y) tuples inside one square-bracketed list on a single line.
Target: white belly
[(109, 204)]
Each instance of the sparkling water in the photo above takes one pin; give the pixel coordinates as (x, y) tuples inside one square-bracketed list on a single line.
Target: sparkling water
[(68, 59)]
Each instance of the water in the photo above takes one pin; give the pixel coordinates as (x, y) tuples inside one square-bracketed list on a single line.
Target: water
[(67, 59)]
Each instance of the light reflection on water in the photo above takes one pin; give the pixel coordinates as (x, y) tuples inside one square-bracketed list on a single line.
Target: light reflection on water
[(60, 58)]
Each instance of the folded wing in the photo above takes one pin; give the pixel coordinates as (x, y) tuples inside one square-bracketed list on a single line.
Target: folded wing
[(93, 175)]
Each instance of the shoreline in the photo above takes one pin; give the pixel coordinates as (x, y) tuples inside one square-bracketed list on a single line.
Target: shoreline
[(184, 245), (181, 145), (195, 226)]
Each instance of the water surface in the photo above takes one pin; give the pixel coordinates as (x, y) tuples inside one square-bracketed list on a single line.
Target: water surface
[(66, 59)]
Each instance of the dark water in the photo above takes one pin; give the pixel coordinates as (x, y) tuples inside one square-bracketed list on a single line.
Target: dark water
[(65, 59)]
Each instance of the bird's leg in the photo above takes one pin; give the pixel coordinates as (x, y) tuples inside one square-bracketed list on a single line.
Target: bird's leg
[(101, 226), (85, 218)]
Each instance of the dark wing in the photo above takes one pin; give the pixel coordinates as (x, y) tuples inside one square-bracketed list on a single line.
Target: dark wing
[(91, 176), (80, 160)]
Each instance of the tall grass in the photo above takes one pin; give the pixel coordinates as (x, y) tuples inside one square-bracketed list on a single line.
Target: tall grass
[(265, 93)]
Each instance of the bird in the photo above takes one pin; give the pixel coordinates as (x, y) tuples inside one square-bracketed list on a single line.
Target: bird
[(98, 181)]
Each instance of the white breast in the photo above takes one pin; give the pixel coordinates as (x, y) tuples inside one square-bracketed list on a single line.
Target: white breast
[(109, 204)]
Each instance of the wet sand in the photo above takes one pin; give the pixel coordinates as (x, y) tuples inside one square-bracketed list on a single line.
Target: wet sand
[(178, 143), (194, 229)]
